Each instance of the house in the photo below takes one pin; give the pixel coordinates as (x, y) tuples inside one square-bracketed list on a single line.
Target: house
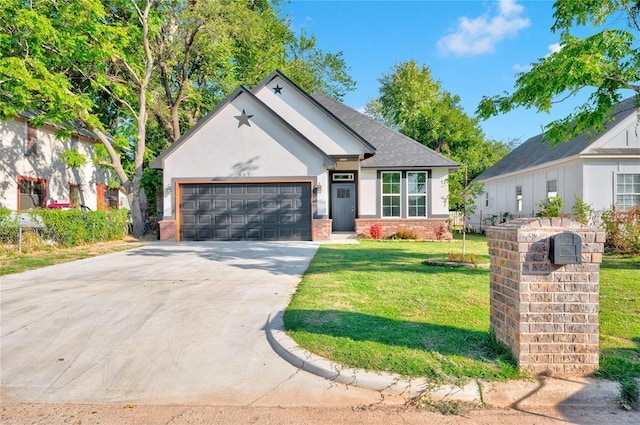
[(33, 174), (603, 170), (276, 163)]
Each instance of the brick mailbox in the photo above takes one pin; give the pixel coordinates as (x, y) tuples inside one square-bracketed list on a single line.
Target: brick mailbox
[(544, 293)]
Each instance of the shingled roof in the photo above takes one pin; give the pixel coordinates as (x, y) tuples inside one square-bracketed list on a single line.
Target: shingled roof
[(393, 150), (536, 151)]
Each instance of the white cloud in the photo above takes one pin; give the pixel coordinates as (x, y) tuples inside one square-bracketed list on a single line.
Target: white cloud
[(553, 48), (476, 36), (521, 68)]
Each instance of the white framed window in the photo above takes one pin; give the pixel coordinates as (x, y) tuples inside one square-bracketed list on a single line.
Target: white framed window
[(552, 188), (627, 191), (486, 199), (343, 177), (519, 198), (417, 194), (391, 193)]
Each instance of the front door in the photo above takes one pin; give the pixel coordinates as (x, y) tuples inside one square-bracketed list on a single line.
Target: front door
[(343, 207)]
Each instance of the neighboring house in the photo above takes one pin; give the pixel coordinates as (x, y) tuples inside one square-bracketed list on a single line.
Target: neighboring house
[(603, 170), (32, 173), (276, 163)]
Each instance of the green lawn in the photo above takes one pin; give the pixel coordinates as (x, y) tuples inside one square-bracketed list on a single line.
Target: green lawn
[(378, 306)]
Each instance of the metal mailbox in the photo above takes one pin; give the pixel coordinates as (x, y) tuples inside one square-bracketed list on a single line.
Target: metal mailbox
[(566, 248)]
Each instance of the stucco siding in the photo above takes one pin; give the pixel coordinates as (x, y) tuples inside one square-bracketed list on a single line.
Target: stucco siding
[(439, 192), (46, 164), (309, 120), (368, 192), (222, 150)]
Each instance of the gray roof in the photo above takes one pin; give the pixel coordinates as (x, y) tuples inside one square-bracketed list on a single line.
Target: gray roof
[(536, 151), (393, 150)]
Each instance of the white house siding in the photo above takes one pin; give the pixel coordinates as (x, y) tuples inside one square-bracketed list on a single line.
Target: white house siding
[(439, 192), (600, 179), (222, 150), (368, 192), (309, 120), (501, 191), (46, 164)]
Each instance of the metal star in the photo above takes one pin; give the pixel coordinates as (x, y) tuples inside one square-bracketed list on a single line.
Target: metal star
[(243, 119), (277, 89)]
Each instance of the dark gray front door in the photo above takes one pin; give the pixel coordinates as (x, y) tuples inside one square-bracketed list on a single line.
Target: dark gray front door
[(343, 207), (245, 211)]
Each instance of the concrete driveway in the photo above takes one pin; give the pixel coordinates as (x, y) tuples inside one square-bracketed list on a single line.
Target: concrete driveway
[(165, 323)]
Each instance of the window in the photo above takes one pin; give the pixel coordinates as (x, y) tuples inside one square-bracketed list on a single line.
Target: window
[(31, 147), (486, 199), (519, 198), (552, 189), (628, 191), (33, 192), (417, 194), (107, 197), (345, 177), (74, 194), (74, 142), (391, 189)]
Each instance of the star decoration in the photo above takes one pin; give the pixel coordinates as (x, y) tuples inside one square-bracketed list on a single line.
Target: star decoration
[(277, 89), (243, 119)]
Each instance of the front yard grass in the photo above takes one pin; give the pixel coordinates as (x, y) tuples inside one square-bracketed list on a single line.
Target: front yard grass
[(378, 306)]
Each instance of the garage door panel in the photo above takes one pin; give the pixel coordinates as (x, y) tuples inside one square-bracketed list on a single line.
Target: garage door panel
[(240, 211)]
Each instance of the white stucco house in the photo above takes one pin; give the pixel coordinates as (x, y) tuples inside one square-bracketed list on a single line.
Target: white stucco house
[(276, 163), (32, 173), (603, 170)]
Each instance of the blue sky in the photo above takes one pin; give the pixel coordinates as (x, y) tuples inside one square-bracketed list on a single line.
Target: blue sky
[(472, 47)]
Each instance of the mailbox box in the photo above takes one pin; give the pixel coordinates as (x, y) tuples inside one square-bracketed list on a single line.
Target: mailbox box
[(566, 248)]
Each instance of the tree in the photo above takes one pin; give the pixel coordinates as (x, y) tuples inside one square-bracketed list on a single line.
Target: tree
[(604, 63), (414, 104), (113, 64)]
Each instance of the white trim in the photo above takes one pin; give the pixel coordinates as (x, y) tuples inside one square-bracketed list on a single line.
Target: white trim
[(382, 194), (424, 195)]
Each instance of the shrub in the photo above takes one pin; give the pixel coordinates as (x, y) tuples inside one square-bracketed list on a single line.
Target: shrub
[(442, 232), (8, 226), (582, 211), (551, 207), (376, 231), (406, 234), (623, 230), (459, 258)]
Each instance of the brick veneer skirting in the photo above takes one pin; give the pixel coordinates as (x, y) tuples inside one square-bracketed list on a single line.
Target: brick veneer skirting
[(321, 229), (168, 230), (425, 228), (546, 313)]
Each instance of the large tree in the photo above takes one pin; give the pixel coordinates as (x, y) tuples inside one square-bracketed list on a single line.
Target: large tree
[(605, 64), (112, 64), (412, 102)]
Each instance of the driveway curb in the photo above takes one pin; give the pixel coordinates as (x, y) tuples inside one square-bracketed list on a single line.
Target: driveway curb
[(541, 391)]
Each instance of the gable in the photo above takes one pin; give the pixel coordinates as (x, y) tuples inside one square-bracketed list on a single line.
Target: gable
[(233, 143), (310, 118), (537, 152)]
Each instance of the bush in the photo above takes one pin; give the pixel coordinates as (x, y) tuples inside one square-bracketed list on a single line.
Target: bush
[(8, 226), (406, 234), (582, 211), (376, 231), (551, 207), (623, 230)]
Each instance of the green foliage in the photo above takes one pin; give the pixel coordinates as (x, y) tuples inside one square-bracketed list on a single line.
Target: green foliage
[(581, 210), (75, 227), (551, 207), (623, 230), (603, 63), (73, 159), (417, 106), (8, 226)]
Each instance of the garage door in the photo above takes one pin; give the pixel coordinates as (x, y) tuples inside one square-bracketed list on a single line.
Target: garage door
[(242, 211)]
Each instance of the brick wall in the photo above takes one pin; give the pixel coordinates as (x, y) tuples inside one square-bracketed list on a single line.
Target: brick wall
[(167, 230), (546, 313), (425, 229), (321, 229)]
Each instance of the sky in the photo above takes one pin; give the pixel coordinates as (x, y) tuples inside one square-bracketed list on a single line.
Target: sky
[(474, 48)]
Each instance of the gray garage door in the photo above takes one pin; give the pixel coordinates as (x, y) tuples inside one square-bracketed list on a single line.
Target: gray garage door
[(243, 211)]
